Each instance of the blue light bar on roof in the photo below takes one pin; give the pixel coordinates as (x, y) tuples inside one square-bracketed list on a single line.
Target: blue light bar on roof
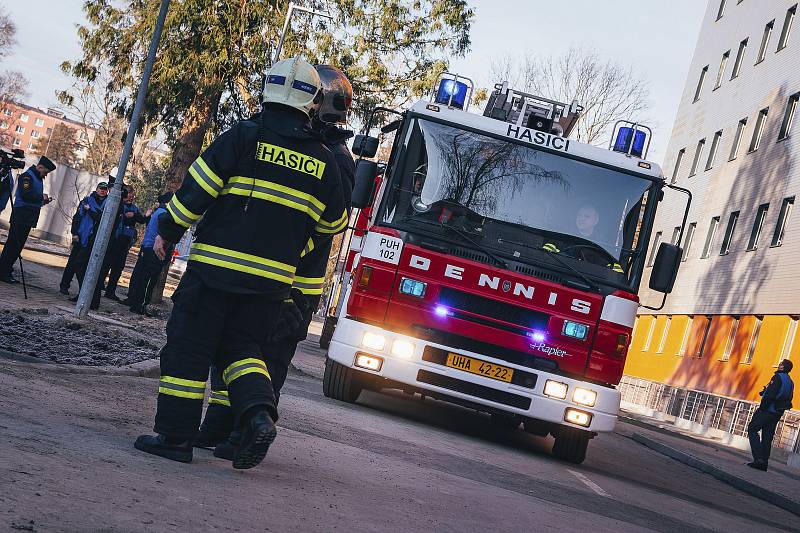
[(626, 136), (452, 93)]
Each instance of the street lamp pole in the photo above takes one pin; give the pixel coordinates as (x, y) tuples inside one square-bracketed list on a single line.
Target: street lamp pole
[(114, 197), (292, 8)]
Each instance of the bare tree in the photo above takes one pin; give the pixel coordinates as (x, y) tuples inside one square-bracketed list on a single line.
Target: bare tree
[(608, 90), (12, 84)]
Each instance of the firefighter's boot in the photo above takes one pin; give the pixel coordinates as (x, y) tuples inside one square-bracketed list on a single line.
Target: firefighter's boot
[(227, 449), (164, 446), (258, 432)]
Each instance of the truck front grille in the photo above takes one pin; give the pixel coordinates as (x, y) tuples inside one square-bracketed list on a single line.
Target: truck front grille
[(478, 391), (486, 308)]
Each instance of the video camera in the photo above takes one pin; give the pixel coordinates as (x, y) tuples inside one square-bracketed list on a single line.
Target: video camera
[(11, 159)]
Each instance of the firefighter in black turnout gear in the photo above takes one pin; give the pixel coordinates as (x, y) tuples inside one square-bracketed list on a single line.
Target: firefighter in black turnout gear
[(263, 188), (279, 349)]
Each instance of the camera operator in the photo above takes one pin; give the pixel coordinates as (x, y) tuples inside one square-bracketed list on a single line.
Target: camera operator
[(6, 187), (28, 201)]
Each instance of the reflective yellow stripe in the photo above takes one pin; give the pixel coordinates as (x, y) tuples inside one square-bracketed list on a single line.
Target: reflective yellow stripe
[(219, 397), (551, 247), (332, 227), (308, 285), (205, 177), (274, 192), (309, 246), (242, 262), (180, 213), (182, 388), (243, 367), (278, 155), (615, 267)]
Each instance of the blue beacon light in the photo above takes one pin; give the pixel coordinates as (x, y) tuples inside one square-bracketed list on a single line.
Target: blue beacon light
[(452, 88), (626, 136)]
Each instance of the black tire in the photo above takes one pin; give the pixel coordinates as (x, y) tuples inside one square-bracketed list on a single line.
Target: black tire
[(504, 422), (571, 445), (327, 332), (341, 382)]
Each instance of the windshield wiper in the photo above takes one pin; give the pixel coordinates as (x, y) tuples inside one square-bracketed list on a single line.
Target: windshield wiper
[(561, 261), (477, 246)]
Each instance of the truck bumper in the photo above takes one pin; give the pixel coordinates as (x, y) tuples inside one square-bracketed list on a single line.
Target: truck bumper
[(407, 366)]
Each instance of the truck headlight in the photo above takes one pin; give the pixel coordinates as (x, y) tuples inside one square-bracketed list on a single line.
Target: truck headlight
[(402, 348), (576, 330), (555, 389), (373, 341), (413, 287), (578, 417), (584, 397), (370, 362)]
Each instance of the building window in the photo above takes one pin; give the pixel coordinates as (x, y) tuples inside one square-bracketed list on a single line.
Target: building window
[(700, 83), (712, 232), (17, 142), (762, 51), (23, 117), (685, 339), (726, 242), (697, 155), (678, 161), (48, 132), (35, 134), (758, 225), (737, 65), (654, 250), (649, 338), (721, 73), (787, 28), (688, 242), (721, 10), (7, 112), (726, 355), (788, 341), (706, 328), (755, 142), (712, 153), (676, 233), (19, 129), (39, 122), (788, 116), (751, 349), (783, 217), (664, 335), (3, 125), (84, 136), (737, 140)]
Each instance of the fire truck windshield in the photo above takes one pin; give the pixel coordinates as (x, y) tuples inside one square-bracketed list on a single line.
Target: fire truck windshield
[(516, 199)]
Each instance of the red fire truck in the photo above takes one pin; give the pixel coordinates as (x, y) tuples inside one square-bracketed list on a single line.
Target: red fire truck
[(501, 263)]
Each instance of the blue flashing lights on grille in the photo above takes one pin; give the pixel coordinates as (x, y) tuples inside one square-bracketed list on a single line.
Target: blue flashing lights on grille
[(442, 311), (413, 287), (537, 336), (452, 88), (626, 136), (575, 329)]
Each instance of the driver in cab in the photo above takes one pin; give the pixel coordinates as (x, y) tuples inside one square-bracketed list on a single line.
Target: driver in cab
[(586, 220)]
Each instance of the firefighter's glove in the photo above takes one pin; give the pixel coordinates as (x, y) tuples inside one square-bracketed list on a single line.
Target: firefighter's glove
[(290, 318)]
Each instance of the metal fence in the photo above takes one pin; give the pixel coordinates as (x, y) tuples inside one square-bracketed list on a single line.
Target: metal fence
[(718, 412)]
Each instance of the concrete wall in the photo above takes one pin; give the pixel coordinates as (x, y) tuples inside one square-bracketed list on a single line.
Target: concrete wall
[(67, 186)]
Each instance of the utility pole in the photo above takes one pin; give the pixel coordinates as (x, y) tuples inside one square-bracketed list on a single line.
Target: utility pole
[(292, 8), (114, 197)]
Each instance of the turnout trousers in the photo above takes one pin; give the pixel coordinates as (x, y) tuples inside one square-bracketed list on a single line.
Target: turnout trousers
[(212, 326), (278, 355), (765, 422)]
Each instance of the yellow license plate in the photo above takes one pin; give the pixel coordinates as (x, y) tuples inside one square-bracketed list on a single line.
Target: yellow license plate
[(482, 368)]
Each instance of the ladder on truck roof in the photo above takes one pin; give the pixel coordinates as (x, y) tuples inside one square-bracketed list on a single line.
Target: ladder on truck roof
[(532, 111)]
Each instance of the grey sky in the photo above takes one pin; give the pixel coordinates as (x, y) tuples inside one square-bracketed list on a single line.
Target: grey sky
[(656, 37)]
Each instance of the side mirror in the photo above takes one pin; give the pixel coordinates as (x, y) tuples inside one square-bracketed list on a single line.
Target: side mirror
[(364, 186), (365, 146), (392, 126), (665, 268)]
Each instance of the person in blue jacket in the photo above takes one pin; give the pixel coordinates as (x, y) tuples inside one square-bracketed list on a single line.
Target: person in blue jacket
[(776, 398), (84, 224), (148, 266), (122, 238), (28, 202)]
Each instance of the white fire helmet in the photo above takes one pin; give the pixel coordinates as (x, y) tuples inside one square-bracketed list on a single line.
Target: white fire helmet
[(295, 83)]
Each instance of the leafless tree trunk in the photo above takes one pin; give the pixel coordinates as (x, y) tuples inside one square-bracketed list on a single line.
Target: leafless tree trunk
[(608, 90)]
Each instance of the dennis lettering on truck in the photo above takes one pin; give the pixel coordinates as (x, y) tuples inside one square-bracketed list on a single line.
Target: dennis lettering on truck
[(539, 138)]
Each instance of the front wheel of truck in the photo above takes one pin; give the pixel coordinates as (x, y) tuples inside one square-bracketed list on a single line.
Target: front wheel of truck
[(571, 444), (341, 382)]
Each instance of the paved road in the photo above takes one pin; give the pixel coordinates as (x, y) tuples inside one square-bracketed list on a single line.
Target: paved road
[(389, 463)]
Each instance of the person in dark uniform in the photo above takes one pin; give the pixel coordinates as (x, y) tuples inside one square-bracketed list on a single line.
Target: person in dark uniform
[(28, 202), (148, 265), (309, 280), (263, 188), (776, 398), (84, 222), (122, 238)]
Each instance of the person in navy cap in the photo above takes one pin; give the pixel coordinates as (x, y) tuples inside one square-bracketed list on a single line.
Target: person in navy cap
[(28, 202)]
